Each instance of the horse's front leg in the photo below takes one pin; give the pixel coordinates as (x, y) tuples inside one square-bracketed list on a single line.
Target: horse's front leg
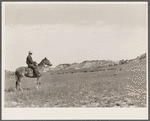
[(38, 79), (21, 87)]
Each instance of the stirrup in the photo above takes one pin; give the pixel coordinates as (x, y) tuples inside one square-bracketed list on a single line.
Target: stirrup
[(37, 75)]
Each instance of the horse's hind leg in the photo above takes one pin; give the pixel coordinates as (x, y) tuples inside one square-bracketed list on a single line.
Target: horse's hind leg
[(21, 84), (18, 82)]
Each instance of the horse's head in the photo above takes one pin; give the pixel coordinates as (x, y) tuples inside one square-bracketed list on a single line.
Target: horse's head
[(47, 62)]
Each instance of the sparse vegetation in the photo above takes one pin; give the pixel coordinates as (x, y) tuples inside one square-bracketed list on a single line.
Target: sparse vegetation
[(94, 87)]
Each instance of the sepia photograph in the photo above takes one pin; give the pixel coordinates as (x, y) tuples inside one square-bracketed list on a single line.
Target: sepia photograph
[(75, 60)]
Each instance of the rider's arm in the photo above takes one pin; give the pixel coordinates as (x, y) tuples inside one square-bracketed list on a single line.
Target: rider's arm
[(30, 60)]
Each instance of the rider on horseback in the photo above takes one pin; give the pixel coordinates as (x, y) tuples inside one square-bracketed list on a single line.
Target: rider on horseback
[(32, 64)]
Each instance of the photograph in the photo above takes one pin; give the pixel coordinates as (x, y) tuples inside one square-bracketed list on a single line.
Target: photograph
[(77, 60)]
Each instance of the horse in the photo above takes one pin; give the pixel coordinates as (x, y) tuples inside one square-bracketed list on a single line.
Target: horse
[(22, 72)]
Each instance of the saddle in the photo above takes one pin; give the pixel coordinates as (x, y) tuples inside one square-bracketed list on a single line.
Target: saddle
[(30, 73)]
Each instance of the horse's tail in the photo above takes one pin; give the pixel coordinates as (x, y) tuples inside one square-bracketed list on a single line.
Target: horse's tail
[(17, 78), (16, 75)]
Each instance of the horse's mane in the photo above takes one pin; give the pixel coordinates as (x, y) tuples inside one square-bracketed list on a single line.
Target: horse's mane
[(41, 63)]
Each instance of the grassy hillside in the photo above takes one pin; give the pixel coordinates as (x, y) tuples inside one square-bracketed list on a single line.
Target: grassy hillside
[(119, 86)]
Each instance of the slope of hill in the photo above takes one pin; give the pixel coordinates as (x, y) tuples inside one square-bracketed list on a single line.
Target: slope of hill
[(94, 65), (86, 64)]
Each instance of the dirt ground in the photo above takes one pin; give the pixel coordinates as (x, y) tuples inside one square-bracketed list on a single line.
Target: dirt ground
[(109, 88)]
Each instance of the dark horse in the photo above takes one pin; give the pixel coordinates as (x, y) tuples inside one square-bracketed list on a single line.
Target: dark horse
[(21, 72)]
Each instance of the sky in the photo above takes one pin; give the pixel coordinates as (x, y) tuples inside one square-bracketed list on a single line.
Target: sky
[(73, 32)]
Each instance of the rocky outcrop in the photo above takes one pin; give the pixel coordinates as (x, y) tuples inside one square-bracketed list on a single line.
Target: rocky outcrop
[(139, 58), (62, 66), (143, 56), (94, 64), (86, 64)]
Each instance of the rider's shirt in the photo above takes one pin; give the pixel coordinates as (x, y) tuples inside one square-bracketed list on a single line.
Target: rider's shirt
[(29, 60)]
